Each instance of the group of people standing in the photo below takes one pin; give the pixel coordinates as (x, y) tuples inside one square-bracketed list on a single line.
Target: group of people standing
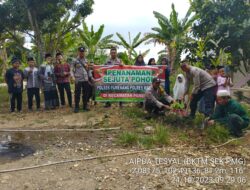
[(52, 76)]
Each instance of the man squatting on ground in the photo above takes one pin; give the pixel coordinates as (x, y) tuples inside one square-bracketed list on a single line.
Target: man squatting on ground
[(156, 99), (229, 113)]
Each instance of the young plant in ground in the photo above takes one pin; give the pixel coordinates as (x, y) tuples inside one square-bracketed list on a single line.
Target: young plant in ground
[(217, 134)]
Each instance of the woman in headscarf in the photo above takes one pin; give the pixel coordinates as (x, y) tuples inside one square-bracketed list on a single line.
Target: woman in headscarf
[(179, 88), (151, 61), (139, 61)]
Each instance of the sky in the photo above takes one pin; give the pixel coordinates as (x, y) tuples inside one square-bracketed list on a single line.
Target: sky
[(133, 16)]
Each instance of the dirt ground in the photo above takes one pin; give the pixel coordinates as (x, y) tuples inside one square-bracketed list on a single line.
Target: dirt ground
[(174, 166)]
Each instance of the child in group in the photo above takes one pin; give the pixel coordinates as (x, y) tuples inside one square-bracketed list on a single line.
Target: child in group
[(224, 81), (33, 83), (179, 88), (14, 79)]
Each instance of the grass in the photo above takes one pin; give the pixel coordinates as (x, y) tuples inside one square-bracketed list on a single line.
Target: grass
[(134, 112), (217, 134), (147, 141), (161, 136), (128, 139), (199, 119)]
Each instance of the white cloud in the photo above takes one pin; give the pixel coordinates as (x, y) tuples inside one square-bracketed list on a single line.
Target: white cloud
[(133, 16)]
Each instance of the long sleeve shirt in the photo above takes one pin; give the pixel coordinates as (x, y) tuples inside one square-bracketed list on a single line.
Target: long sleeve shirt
[(201, 80), (222, 112), (47, 75), (78, 70), (62, 72), (154, 95), (14, 79), (33, 80)]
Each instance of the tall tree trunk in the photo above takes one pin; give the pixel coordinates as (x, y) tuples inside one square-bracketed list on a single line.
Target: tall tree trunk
[(38, 38)]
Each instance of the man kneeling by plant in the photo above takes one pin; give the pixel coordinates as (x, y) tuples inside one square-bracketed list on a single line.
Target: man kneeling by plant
[(156, 100), (230, 113)]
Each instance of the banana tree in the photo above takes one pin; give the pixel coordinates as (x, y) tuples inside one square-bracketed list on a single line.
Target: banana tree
[(130, 45), (94, 42), (173, 33)]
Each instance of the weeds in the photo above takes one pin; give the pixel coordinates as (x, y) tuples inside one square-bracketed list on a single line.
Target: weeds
[(134, 112), (199, 119), (128, 138), (147, 141), (161, 135), (217, 134)]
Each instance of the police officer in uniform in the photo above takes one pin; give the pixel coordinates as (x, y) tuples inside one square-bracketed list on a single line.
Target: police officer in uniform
[(79, 73)]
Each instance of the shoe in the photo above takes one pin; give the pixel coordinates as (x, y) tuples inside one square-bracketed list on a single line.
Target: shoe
[(76, 110), (86, 109)]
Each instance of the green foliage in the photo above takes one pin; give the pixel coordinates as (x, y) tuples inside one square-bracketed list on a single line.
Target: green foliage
[(172, 32), (94, 42), (147, 141), (161, 136), (42, 18), (199, 119), (133, 112), (128, 139), (227, 22), (217, 134), (129, 56), (178, 105)]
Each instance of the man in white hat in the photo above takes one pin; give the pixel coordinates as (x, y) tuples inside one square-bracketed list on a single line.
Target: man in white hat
[(230, 113)]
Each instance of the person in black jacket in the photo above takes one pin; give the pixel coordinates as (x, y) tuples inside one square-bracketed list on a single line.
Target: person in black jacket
[(14, 79)]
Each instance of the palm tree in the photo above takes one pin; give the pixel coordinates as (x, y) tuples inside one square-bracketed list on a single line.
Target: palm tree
[(172, 33), (94, 41), (131, 44)]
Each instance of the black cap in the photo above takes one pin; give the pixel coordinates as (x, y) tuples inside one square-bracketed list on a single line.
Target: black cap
[(81, 49), (156, 79), (47, 55), (30, 59), (14, 60), (58, 53)]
